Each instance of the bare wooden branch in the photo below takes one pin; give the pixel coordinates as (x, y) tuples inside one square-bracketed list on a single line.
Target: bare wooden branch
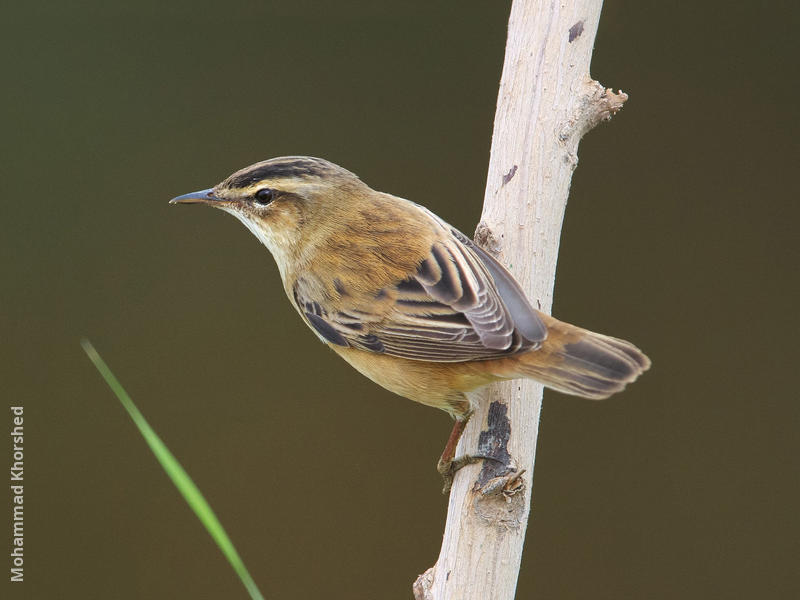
[(547, 102)]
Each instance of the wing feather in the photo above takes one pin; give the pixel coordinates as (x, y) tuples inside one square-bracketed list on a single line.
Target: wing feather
[(460, 304)]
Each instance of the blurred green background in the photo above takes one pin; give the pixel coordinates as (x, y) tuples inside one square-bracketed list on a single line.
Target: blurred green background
[(680, 235)]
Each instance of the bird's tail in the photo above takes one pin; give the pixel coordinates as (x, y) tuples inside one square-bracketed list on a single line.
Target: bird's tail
[(580, 362)]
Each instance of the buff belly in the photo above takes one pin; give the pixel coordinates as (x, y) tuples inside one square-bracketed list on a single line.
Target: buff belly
[(441, 385)]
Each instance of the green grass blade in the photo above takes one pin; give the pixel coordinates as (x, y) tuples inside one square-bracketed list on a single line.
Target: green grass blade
[(179, 477)]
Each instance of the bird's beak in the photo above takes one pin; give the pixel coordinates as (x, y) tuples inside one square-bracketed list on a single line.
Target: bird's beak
[(200, 197)]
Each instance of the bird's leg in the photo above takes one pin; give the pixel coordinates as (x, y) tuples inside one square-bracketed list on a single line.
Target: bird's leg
[(445, 465), (448, 464)]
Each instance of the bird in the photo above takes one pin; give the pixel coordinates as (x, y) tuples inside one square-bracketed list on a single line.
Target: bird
[(405, 298)]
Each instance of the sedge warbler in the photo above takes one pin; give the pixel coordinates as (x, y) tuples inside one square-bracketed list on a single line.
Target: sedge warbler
[(406, 299)]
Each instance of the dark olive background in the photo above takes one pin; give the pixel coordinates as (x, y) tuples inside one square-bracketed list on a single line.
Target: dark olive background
[(679, 235)]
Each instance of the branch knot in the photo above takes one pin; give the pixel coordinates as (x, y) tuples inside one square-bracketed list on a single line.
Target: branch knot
[(486, 239), (596, 104)]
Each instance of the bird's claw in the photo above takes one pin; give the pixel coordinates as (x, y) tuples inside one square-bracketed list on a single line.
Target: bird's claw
[(447, 469)]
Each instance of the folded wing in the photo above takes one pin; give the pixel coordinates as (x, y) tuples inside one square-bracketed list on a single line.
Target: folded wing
[(460, 304)]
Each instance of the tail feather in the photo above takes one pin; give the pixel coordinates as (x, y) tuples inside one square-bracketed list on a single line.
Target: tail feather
[(582, 363)]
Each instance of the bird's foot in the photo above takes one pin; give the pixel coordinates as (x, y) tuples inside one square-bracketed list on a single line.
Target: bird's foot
[(447, 468)]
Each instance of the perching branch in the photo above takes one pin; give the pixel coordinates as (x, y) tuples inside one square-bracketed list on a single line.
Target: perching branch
[(547, 102)]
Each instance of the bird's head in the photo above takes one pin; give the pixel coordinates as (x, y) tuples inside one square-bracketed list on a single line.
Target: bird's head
[(289, 203)]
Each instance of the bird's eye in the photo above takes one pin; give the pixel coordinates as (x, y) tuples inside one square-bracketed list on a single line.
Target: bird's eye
[(264, 196)]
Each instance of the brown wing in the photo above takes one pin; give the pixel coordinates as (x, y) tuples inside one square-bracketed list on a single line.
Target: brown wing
[(459, 305)]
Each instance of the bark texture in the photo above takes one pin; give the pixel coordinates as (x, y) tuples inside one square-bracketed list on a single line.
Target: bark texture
[(547, 102)]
